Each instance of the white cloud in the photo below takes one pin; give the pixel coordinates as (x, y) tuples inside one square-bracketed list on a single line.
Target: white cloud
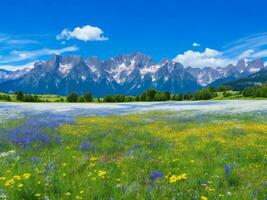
[(8, 40), (85, 33), (21, 42), (249, 48), (209, 57), (195, 44), (246, 54), (256, 42), (260, 54), (18, 67), (16, 56)]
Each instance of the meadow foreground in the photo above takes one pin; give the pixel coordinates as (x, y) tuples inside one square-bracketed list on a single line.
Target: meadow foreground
[(147, 155)]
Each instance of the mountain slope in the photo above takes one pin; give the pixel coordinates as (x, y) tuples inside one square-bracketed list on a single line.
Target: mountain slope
[(125, 74), (255, 79), (129, 74), (10, 75), (241, 70)]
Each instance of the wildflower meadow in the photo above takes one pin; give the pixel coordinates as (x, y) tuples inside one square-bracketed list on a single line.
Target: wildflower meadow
[(149, 155)]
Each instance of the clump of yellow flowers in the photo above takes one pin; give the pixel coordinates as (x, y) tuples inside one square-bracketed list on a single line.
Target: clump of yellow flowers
[(175, 178)]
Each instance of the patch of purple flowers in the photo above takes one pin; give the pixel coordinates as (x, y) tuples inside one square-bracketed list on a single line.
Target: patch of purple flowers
[(87, 146), (34, 129), (155, 175)]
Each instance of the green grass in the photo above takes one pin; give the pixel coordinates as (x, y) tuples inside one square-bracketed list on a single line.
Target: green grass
[(236, 96), (42, 97), (189, 149)]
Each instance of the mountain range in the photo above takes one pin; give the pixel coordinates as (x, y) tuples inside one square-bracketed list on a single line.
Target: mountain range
[(129, 74)]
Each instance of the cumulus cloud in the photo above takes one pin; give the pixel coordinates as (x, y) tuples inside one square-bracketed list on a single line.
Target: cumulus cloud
[(195, 44), (85, 33), (249, 48), (209, 57)]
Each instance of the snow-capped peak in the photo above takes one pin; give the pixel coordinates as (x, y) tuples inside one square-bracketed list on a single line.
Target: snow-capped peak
[(65, 68)]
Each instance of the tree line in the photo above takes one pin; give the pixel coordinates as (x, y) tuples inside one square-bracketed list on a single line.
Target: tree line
[(154, 95), (257, 91), (147, 96), (5, 97), (74, 97), (20, 96)]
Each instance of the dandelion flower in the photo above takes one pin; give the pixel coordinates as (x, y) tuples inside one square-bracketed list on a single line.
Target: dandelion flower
[(26, 176), (175, 178), (16, 177), (102, 173)]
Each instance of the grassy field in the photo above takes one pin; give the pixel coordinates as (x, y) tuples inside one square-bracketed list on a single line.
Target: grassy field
[(155, 155), (44, 97)]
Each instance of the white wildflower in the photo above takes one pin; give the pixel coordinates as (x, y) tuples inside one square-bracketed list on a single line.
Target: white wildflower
[(8, 153)]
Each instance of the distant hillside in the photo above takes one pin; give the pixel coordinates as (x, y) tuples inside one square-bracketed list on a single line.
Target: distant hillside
[(255, 79)]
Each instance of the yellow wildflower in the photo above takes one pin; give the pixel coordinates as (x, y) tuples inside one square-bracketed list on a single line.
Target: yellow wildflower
[(9, 182), (102, 173), (26, 176), (175, 178), (2, 178), (93, 158), (16, 177), (204, 198), (20, 185)]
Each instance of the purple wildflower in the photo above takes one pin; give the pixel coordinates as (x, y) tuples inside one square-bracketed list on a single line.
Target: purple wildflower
[(227, 170), (35, 159), (87, 146), (156, 174)]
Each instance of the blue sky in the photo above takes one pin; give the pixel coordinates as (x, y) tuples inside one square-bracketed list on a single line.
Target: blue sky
[(222, 31)]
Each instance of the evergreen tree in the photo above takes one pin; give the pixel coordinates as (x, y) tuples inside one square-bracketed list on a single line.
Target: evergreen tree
[(73, 97), (19, 95), (88, 97)]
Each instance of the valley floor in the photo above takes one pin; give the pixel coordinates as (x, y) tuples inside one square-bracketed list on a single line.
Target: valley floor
[(183, 150)]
